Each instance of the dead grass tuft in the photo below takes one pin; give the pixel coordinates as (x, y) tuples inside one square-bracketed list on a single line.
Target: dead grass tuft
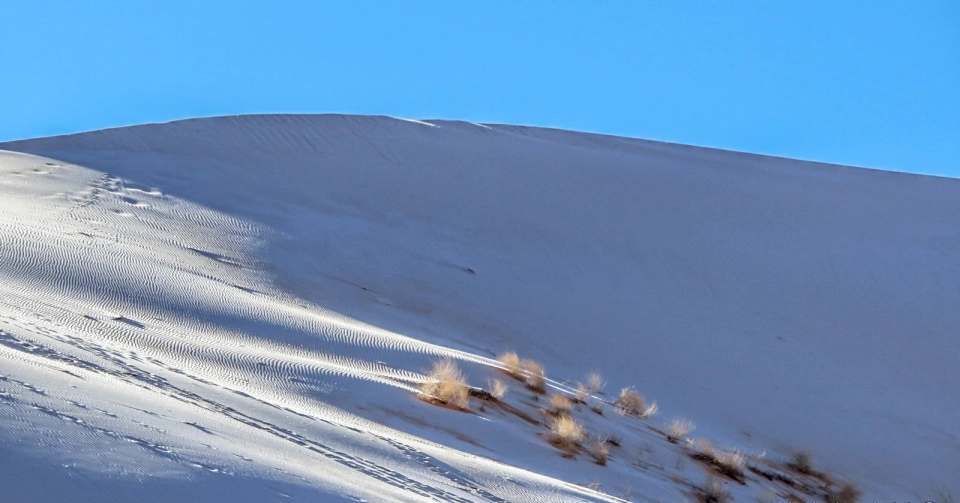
[(714, 492), (536, 377), (848, 493), (729, 462), (566, 433), (678, 429), (703, 447), (582, 393), (599, 451), (649, 410), (802, 461), (560, 404), (594, 382), (511, 361), (446, 384), (528, 371), (632, 403), (498, 388)]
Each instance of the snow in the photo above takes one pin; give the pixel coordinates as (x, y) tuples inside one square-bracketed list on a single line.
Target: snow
[(242, 307)]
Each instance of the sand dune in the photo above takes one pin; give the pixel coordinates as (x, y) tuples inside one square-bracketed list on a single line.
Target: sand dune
[(244, 307)]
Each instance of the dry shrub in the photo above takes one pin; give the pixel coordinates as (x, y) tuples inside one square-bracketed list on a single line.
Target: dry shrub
[(599, 451), (445, 384), (678, 429), (632, 403), (594, 382), (714, 492), (582, 394), (649, 410), (703, 448), (802, 462), (731, 462), (560, 404), (565, 432), (511, 361), (498, 388), (536, 378), (847, 494)]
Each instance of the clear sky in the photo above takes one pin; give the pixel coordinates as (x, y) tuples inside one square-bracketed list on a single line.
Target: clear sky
[(872, 83)]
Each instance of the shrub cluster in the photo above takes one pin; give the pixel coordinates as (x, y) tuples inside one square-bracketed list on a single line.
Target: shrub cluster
[(527, 371), (445, 384), (728, 462)]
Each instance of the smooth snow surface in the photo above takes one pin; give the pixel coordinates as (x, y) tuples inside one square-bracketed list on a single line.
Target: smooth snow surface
[(242, 307)]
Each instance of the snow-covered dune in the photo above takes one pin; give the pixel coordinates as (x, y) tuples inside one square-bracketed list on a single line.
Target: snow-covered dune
[(244, 306)]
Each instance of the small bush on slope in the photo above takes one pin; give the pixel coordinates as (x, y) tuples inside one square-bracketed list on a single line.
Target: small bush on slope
[(632, 403), (566, 433), (703, 448), (599, 451), (730, 462), (678, 429), (560, 404), (714, 492), (847, 494), (802, 462), (498, 388), (594, 382), (582, 393), (445, 384), (536, 378), (528, 371), (511, 361)]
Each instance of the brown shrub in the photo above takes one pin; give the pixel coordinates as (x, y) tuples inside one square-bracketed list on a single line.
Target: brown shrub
[(678, 429), (582, 394), (565, 432), (511, 362), (536, 377), (731, 462), (594, 382), (848, 493), (802, 462), (632, 403), (714, 492), (599, 451), (560, 404), (446, 384), (498, 388)]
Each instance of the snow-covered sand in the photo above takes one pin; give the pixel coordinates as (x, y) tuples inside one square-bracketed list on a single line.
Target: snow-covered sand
[(242, 307)]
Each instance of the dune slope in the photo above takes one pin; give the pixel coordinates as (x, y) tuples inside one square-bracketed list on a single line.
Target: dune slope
[(244, 306)]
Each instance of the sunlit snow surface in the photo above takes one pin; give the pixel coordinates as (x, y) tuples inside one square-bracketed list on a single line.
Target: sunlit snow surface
[(242, 307)]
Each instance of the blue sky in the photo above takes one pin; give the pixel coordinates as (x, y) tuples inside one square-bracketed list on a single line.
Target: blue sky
[(872, 83)]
